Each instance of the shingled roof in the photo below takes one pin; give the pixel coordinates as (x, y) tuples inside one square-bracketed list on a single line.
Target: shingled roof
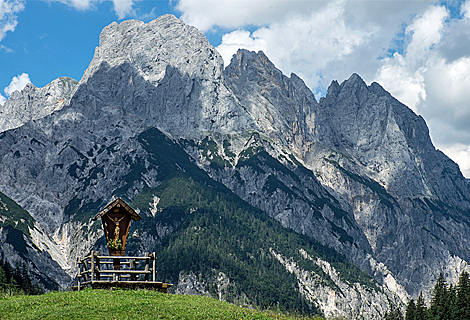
[(134, 215)]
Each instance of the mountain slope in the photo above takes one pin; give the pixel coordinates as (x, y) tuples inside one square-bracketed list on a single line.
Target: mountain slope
[(17, 245)]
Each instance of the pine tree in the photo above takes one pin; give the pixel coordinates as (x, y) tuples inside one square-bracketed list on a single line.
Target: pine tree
[(394, 313), (462, 304), (24, 280), (439, 309), (3, 278), (451, 302), (420, 311), (410, 313)]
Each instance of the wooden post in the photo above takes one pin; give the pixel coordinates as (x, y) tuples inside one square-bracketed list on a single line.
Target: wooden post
[(92, 276), (154, 272), (79, 273), (132, 267), (97, 267), (147, 267), (116, 264), (85, 268)]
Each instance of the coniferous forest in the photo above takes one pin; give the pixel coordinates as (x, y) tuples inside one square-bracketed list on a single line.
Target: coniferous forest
[(15, 281), (449, 302)]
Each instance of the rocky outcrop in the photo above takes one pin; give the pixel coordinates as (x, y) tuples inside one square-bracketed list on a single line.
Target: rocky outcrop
[(33, 103)]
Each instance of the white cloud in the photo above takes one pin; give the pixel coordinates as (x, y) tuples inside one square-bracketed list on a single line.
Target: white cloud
[(406, 85), (318, 40), (77, 4), (460, 153), (123, 8), (234, 14), (426, 32), (465, 10), (231, 42), (305, 44), (2, 100), (17, 83), (9, 10), (402, 75), (433, 78)]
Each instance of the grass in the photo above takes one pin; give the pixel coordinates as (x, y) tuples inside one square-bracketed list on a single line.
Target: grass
[(125, 304)]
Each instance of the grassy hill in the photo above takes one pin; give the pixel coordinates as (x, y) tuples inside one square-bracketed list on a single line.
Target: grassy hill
[(125, 304)]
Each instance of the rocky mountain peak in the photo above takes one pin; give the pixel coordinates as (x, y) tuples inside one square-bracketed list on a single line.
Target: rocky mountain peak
[(33, 103), (386, 137), (151, 47), (274, 100)]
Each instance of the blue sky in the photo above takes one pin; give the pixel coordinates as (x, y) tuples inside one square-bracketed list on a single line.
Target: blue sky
[(53, 39), (417, 50)]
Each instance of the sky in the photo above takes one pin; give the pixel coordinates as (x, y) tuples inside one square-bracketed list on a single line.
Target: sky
[(417, 50)]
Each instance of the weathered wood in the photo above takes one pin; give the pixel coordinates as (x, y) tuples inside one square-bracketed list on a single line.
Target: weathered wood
[(92, 267), (116, 219), (126, 272), (124, 257), (93, 272), (132, 267), (79, 270), (147, 267), (97, 268), (160, 286), (154, 272)]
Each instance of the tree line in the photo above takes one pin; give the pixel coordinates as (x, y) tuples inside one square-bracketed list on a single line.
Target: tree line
[(14, 281), (448, 302)]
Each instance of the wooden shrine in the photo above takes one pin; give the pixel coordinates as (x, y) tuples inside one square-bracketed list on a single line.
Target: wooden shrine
[(136, 272), (116, 218)]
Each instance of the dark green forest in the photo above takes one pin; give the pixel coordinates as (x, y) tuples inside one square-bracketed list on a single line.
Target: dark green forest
[(15, 281), (214, 229), (449, 302)]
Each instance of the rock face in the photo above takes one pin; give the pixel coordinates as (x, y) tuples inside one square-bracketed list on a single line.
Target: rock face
[(355, 171), (34, 103)]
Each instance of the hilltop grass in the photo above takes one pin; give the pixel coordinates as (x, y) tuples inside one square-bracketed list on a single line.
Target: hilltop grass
[(125, 304)]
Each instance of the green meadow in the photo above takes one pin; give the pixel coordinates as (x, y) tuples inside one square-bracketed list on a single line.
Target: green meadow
[(125, 304)]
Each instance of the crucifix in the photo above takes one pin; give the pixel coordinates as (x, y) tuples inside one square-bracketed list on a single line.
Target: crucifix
[(116, 218)]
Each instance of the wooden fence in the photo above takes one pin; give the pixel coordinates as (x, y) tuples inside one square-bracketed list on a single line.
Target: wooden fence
[(98, 271)]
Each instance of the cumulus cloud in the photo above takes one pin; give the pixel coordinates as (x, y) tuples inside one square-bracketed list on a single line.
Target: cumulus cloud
[(9, 10), (426, 32), (318, 40), (233, 14), (465, 10), (405, 84), (304, 44), (403, 75), (460, 153), (123, 8), (231, 42), (2, 100), (17, 83), (77, 4)]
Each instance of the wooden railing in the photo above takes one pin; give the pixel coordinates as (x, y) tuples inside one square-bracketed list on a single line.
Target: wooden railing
[(100, 271)]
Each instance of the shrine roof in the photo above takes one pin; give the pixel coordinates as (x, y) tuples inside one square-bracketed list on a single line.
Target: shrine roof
[(118, 203)]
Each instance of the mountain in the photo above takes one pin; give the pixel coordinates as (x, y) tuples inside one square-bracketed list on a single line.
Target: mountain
[(251, 190), (34, 103)]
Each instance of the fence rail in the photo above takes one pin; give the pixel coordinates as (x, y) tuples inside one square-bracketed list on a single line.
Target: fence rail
[(98, 271)]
